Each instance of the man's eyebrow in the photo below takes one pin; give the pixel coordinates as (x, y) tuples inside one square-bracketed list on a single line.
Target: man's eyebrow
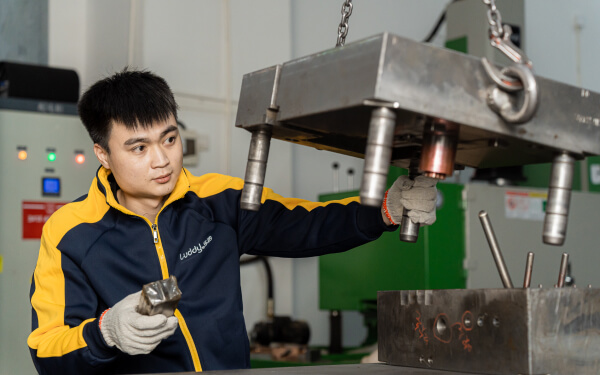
[(132, 141), (168, 130)]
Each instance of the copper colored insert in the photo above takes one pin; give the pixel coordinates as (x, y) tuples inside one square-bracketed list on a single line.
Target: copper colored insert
[(440, 138)]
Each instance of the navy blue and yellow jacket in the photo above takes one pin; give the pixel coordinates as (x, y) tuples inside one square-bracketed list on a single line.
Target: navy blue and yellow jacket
[(94, 252)]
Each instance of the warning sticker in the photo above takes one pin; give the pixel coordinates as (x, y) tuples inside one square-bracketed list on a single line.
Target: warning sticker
[(35, 214), (525, 205)]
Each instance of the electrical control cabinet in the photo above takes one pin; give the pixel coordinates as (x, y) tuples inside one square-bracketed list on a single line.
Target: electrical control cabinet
[(46, 160)]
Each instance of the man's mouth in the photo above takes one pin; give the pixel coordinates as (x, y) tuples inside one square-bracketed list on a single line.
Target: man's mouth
[(163, 179)]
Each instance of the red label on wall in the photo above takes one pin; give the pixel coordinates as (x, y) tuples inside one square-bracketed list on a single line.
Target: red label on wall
[(35, 214)]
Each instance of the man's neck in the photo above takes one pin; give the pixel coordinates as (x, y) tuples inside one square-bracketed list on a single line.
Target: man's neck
[(147, 208)]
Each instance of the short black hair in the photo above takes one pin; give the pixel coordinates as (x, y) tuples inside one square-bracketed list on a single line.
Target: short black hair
[(131, 97)]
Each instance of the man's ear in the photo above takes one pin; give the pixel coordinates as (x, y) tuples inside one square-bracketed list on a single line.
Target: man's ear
[(102, 155)]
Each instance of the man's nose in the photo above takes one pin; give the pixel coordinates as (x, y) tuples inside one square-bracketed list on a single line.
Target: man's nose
[(159, 158)]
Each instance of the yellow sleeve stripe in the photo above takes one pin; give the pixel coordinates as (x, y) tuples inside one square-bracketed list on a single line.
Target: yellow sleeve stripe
[(213, 184), (190, 341), (58, 341), (48, 299), (291, 203), (52, 337)]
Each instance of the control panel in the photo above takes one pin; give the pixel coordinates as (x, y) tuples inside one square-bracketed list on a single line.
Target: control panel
[(46, 161)]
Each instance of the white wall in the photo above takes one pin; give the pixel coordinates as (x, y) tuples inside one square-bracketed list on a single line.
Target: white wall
[(67, 34), (562, 40)]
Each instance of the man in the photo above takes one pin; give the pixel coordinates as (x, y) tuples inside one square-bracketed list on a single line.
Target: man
[(137, 224)]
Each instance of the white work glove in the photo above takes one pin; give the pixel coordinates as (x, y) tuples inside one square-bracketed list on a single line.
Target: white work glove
[(131, 332), (418, 196)]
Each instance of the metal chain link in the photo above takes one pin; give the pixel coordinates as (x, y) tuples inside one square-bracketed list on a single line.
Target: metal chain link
[(494, 19), (343, 27), (500, 35)]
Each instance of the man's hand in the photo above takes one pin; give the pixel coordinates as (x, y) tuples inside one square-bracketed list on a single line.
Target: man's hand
[(131, 332), (418, 196)]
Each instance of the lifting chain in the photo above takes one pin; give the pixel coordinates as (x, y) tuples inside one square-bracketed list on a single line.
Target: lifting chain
[(343, 27), (518, 77), (494, 18)]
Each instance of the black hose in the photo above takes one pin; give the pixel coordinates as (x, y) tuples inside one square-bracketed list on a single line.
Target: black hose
[(439, 23), (264, 260)]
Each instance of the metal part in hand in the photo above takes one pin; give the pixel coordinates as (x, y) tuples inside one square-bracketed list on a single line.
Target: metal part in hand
[(409, 231), (343, 27)]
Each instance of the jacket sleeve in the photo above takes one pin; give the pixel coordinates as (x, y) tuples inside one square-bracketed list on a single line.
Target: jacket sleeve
[(288, 227), (65, 336)]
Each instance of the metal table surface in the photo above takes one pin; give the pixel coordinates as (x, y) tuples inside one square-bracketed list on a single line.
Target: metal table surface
[(371, 368)]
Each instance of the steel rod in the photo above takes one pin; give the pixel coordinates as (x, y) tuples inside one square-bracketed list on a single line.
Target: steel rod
[(559, 197), (495, 248), (256, 169), (564, 261), (528, 270), (378, 155), (409, 231)]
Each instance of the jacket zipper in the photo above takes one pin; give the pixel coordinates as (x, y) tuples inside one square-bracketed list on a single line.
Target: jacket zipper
[(155, 233)]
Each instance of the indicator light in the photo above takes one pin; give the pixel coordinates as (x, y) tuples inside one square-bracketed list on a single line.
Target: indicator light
[(80, 158), (22, 155), (51, 156)]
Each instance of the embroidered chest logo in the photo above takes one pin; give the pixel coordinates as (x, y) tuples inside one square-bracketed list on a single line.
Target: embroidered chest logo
[(197, 249)]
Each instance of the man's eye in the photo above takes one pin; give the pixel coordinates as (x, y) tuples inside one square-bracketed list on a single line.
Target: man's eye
[(171, 139), (139, 148)]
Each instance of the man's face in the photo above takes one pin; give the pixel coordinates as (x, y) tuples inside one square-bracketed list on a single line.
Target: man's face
[(145, 162)]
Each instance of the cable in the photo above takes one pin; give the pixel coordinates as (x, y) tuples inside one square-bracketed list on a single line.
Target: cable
[(438, 24), (267, 269)]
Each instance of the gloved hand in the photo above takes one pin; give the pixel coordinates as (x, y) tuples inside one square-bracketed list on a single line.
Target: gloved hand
[(132, 332), (418, 196)]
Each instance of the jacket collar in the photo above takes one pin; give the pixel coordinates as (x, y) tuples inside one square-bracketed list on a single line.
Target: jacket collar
[(104, 185)]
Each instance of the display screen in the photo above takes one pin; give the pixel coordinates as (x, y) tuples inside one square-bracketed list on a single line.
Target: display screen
[(51, 186)]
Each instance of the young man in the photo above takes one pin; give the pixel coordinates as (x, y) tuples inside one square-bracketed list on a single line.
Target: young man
[(137, 224)]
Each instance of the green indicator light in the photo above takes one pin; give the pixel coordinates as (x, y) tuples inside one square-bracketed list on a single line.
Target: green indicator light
[(51, 156)]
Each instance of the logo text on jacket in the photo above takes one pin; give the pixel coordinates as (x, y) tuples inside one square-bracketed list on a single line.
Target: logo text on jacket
[(197, 249)]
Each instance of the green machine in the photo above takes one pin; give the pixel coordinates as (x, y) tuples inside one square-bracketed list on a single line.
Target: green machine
[(350, 280)]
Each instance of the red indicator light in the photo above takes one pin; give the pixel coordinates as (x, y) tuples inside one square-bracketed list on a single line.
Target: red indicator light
[(22, 155), (80, 158)]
